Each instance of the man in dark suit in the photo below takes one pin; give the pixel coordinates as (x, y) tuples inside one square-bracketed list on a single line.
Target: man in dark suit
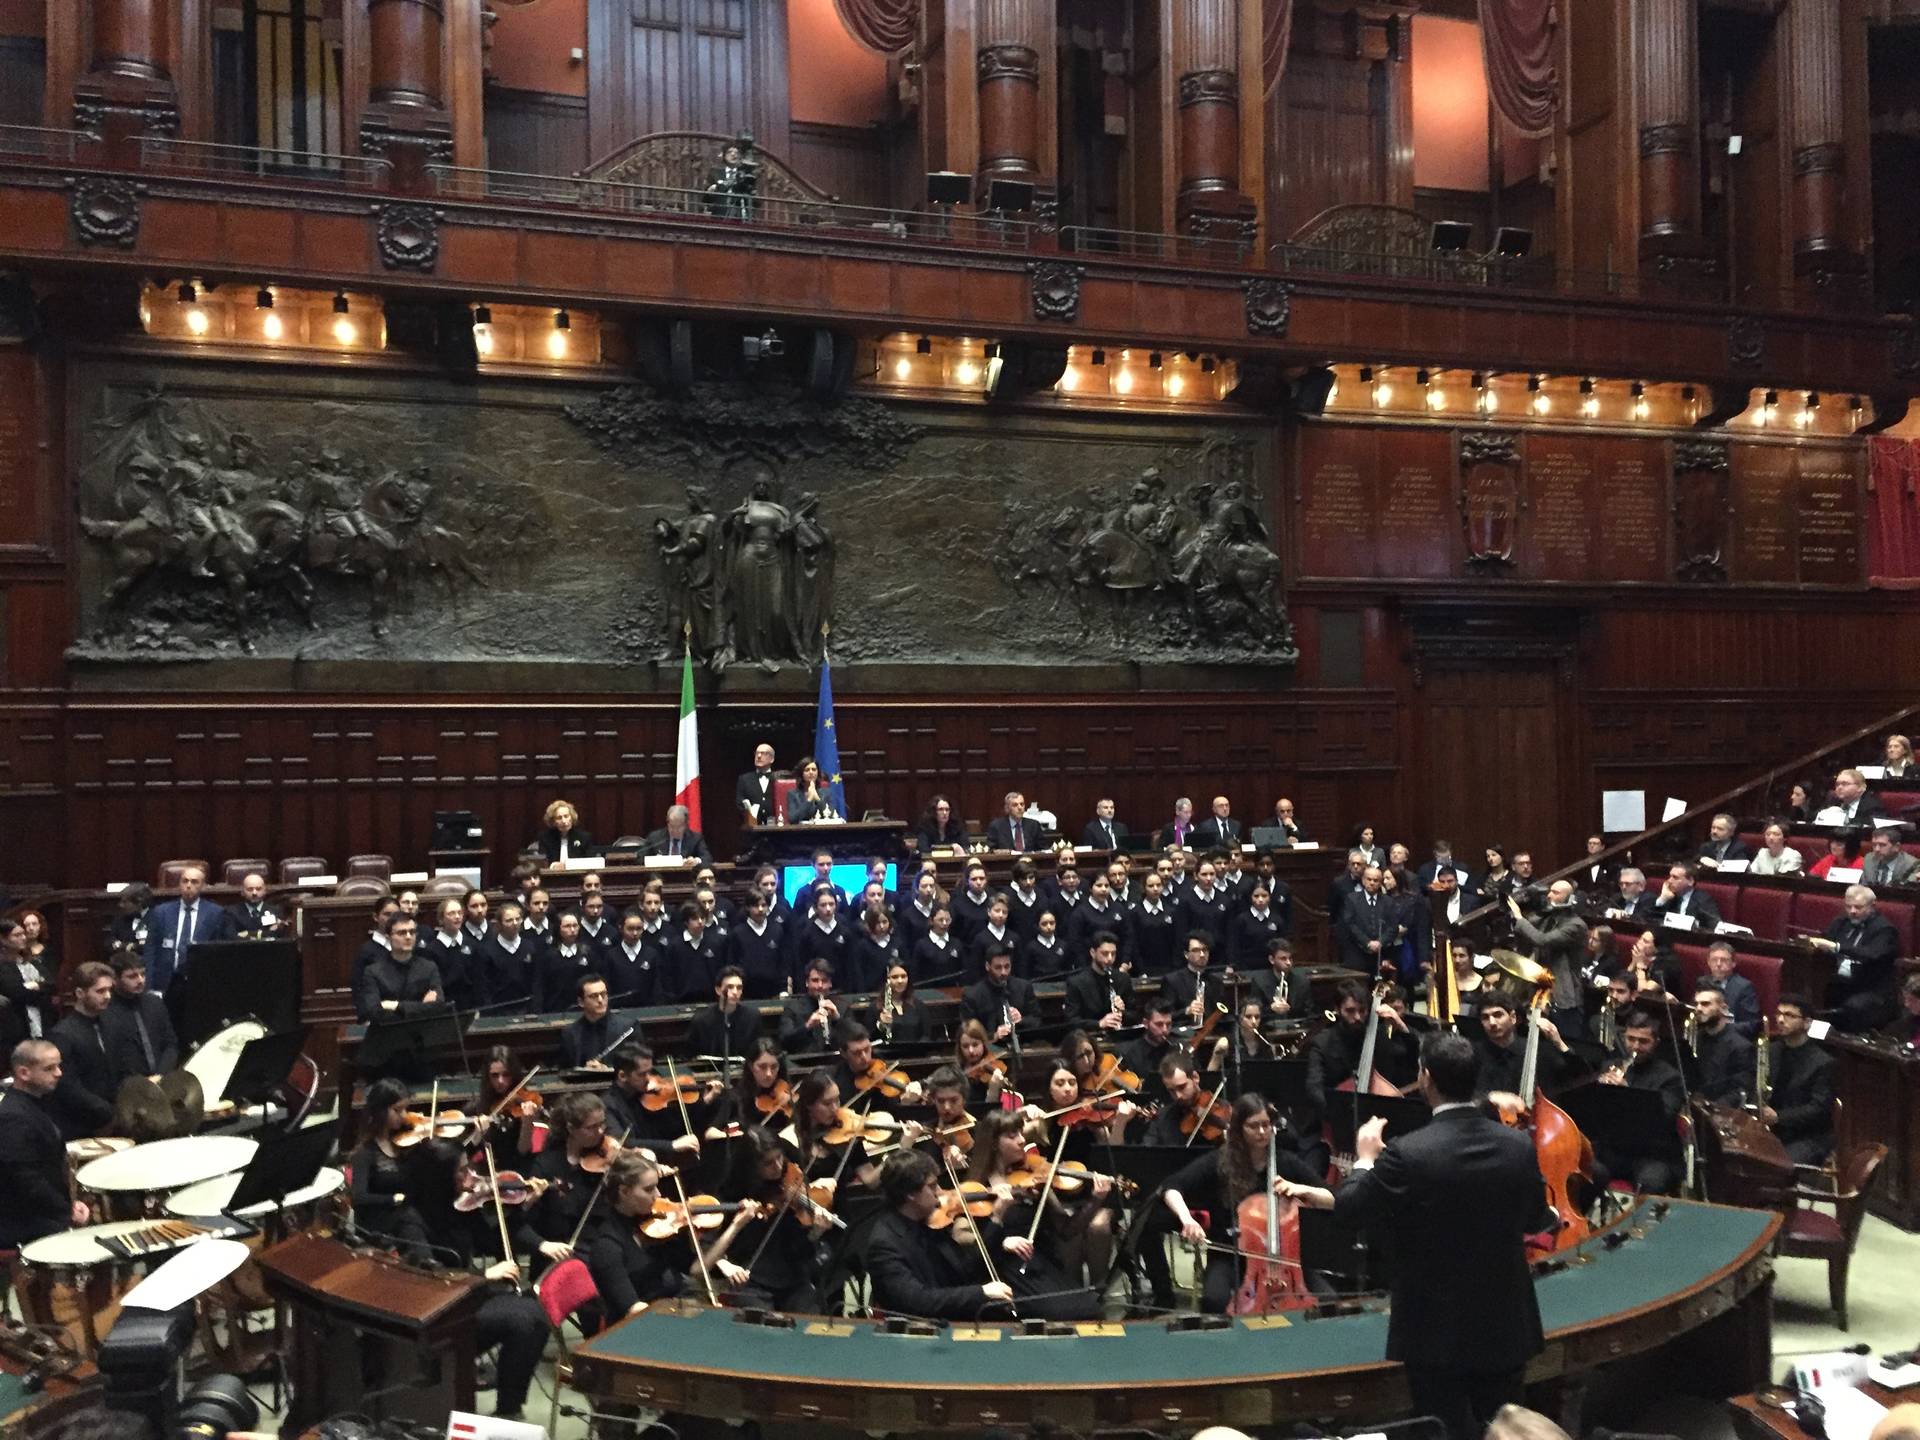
[(1886, 863), (1442, 860), (1013, 830), (753, 791), (1464, 1319), (175, 926), (1723, 844), (86, 1049), (1633, 902), (1368, 932), (33, 1156), (1220, 830), (1679, 897), (1743, 1001), (917, 1271), (1652, 1161), (399, 983), (674, 838), (1103, 832), (253, 918), (1002, 1002), (1343, 886), (1868, 948), (1853, 803), (1179, 830), (1098, 995), (141, 1031), (588, 1040)]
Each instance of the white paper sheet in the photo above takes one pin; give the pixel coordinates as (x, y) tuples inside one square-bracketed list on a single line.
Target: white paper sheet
[(1673, 811), (1623, 812)]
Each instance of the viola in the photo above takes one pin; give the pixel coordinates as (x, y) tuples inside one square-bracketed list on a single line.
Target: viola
[(511, 1186), (775, 1101), (890, 1083), (1208, 1115), (682, 1090), (701, 1212)]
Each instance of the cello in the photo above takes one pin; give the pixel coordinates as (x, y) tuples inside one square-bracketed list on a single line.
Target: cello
[(1269, 1242), (1559, 1147)]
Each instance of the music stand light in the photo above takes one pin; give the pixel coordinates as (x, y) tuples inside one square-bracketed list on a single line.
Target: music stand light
[(1010, 197), (1511, 242), (1450, 236)]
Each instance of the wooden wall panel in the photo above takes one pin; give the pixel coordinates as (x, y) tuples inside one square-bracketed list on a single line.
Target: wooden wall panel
[(23, 79), (849, 162), (536, 133), (713, 65)]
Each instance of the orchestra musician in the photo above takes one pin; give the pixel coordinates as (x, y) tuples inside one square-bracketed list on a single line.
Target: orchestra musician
[(761, 1096), (379, 1190), (778, 1251), (91, 1076), (1798, 1105), (1045, 1279), (629, 1271), (658, 1129), (141, 1031), (510, 1134), (1002, 1002), (1195, 989), (921, 1272), (34, 1201), (1334, 1054), (1724, 1057), (857, 1058), (900, 1016), (1099, 996), (401, 982), (816, 1110), (1652, 1161), (1143, 1054), (585, 1044), (973, 1057), (1500, 1052), (729, 1026), (807, 1019), (577, 1147)]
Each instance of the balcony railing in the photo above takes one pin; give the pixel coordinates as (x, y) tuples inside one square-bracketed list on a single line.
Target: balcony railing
[(197, 157), (1234, 251), (37, 142)]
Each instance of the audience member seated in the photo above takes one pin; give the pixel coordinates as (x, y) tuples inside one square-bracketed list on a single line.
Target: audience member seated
[(1798, 1105), (1219, 830), (1103, 832), (1743, 1001), (177, 925), (810, 799), (1283, 819), (1800, 803), (753, 791), (1679, 901), (1723, 844), (1775, 856), (1853, 803), (1843, 853), (939, 827), (1596, 876), (1898, 764), (563, 839), (1868, 947), (1179, 830), (674, 838), (253, 918), (1886, 862), (1013, 830)]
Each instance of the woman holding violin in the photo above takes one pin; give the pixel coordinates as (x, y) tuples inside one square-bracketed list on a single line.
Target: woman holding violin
[(379, 1189), (973, 1057), (1007, 1184), (505, 1109), (1216, 1183), (1080, 1219), (577, 1153), (779, 1249), (762, 1095), (823, 1139), (640, 1250)]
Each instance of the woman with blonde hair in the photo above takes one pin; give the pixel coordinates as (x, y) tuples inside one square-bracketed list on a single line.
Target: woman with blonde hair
[(562, 839)]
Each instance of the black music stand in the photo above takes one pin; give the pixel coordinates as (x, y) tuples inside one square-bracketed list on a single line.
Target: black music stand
[(281, 1165), (1620, 1119), (1403, 1116), (263, 1066), (223, 981), (404, 1046)]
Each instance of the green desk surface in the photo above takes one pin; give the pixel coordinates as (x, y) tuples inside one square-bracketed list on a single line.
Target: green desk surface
[(1675, 1254), (13, 1396)]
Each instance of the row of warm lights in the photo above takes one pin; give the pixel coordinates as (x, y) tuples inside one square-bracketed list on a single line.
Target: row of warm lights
[(1093, 374), (278, 316), (1805, 414)]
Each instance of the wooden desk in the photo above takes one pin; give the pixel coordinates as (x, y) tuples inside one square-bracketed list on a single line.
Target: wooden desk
[(1754, 1419), (1879, 1089)]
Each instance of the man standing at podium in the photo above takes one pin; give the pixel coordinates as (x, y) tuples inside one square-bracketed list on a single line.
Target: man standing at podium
[(754, 790)]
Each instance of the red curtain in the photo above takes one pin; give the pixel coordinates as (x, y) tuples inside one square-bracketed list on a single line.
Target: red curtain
[(1276, 25), (1518, 38), (883, 25), (1893, 513)]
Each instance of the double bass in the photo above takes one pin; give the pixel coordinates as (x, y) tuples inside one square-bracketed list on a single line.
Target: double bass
[(1366, 1078), (1561, 1150)]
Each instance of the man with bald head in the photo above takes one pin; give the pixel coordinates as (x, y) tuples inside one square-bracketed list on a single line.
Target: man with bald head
[(1559, 942), (1867, 951), (1219, 831), (33, 1156), (176, 926)]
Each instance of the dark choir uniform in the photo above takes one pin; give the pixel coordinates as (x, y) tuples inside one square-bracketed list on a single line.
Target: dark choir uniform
[(33, 1157), (867, 963), (1090, 996), (463, 973), (692, 967), (1043, 957), (586, 1039), (1801, 1094), (440, 947), (1247, 935), (988, 1003), (714, 1032), (1024, 911), (811, 943), (633, 976), (1202, 912), (141, 1035), (602, 934), (911, 923), (1152, 939), (935, 959), (985, 943), (969, 914), (1060, 901), (510, 967), (761, 955), (1088, 920), (1723, 1069), (556, 983)]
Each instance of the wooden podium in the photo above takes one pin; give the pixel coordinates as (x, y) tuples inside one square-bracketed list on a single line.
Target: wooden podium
[(371, 1335)]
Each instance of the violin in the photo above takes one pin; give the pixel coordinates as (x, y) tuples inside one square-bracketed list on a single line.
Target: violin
[(775, 1101), (1111, 1075), (810, 1199), (1073, 1176), (682, 1090), (701, 1213), (511, 1186), (848, 1126), (447, 1125), (974, 1200), (596, 1160), (890, 1083), (988, 1068), (1208, 1117)]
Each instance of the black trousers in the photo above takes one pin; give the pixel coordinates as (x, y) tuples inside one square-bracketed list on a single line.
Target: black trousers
[(1463, 1403), (518, 1325)]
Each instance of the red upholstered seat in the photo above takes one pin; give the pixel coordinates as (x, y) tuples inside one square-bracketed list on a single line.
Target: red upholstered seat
[(1814, 1225), (1693, 960), (1762, 910), (1900, 914), (1724, 896), (782, 788), (1815, 912), (1897, 802), (1623, 944)]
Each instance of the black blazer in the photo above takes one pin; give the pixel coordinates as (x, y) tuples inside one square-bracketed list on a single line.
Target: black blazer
[(712, 1033), (1089, 996), (1706, 914), (983, 1003), (129, 1056), (691, 843), (547, 842), (917, 1272), (387, 979), (1213, 831), (1732, 850), (1467, 1306), (1000, 833), (86, 1057), (929, 833), (33, 1157), (1097, 834)]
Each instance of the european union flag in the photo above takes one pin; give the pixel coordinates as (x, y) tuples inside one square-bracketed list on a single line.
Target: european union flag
[(826, 744)]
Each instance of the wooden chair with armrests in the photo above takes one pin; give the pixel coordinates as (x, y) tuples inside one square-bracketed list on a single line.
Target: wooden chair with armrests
[(1842, 1184)]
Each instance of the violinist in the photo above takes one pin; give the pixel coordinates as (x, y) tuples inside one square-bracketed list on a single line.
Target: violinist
[(778, 1251), (761, 1096), (1187, 1107), (1217, 1181), (1099, 996), (654, 1127), (807, 1019), (1081, 1223), (974, 1059), (589, 1039), (1194, 989), (920, 1272), (729, 1026), (1080, 1055), (1501, 1053), (510, 1134), (1143, 1054), (631, 1272), (578, 1148), (1281, 995), (378, 1190), (1002, 1002), (816, 1146), (858, 1067), (1044, 1263), (437, 1173), (900, 1015), (953, 1126)]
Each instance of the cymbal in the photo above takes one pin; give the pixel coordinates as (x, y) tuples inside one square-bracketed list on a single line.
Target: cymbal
[(1520, 967), (187, 1099), (141, 1112)]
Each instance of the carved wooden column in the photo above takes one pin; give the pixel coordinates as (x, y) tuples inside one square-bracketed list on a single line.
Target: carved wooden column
[(128, 90), (1666, 94), (1816, 127), (1207, 61), (1008, 36), (406, 117)]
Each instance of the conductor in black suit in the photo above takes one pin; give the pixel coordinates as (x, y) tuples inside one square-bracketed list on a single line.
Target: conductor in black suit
[(1465, 1320), (1013, 831), (1103, 832)]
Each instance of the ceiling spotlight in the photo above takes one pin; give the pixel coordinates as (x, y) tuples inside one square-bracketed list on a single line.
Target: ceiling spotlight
[(1382, 391), (1153, 359), (1099, 356), (902, 368), (924, 345)]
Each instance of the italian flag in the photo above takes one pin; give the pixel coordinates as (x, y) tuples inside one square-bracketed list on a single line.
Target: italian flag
[(686, 766)]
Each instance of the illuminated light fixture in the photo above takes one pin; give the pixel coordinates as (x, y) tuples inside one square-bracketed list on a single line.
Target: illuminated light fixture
[(1123, 382), (1153, 359), (1541, 402), (270, 325), (1589, 401), (902, 368), (343, 327), (1435, 399), (1856, 411), (557, 339), (197, 322), (1808, 411), (1641, 409), (1175, 385), (1690, 398), (924, 346), (1769, 408), (1099, 356), (483, 329), (1069, 377), (1382, 391), (966, 372), (1484, 399)]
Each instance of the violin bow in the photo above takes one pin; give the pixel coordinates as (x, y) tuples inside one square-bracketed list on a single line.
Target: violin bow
[(499, 1208), (685, 1119), (699, 1254), (601, 1184), (507, 1099), (979, 1240), (1046, 1190)]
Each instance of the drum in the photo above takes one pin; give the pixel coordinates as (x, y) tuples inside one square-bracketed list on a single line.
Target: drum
[(244, 1290), (80, 1152), (212, 1064), (71, 1282), (134, 1182)]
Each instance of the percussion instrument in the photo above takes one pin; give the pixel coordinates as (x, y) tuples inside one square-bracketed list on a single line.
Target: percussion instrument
[(296, 1212), (134, 1182), (93, 1147), (72, 1283), (213, 1062)]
